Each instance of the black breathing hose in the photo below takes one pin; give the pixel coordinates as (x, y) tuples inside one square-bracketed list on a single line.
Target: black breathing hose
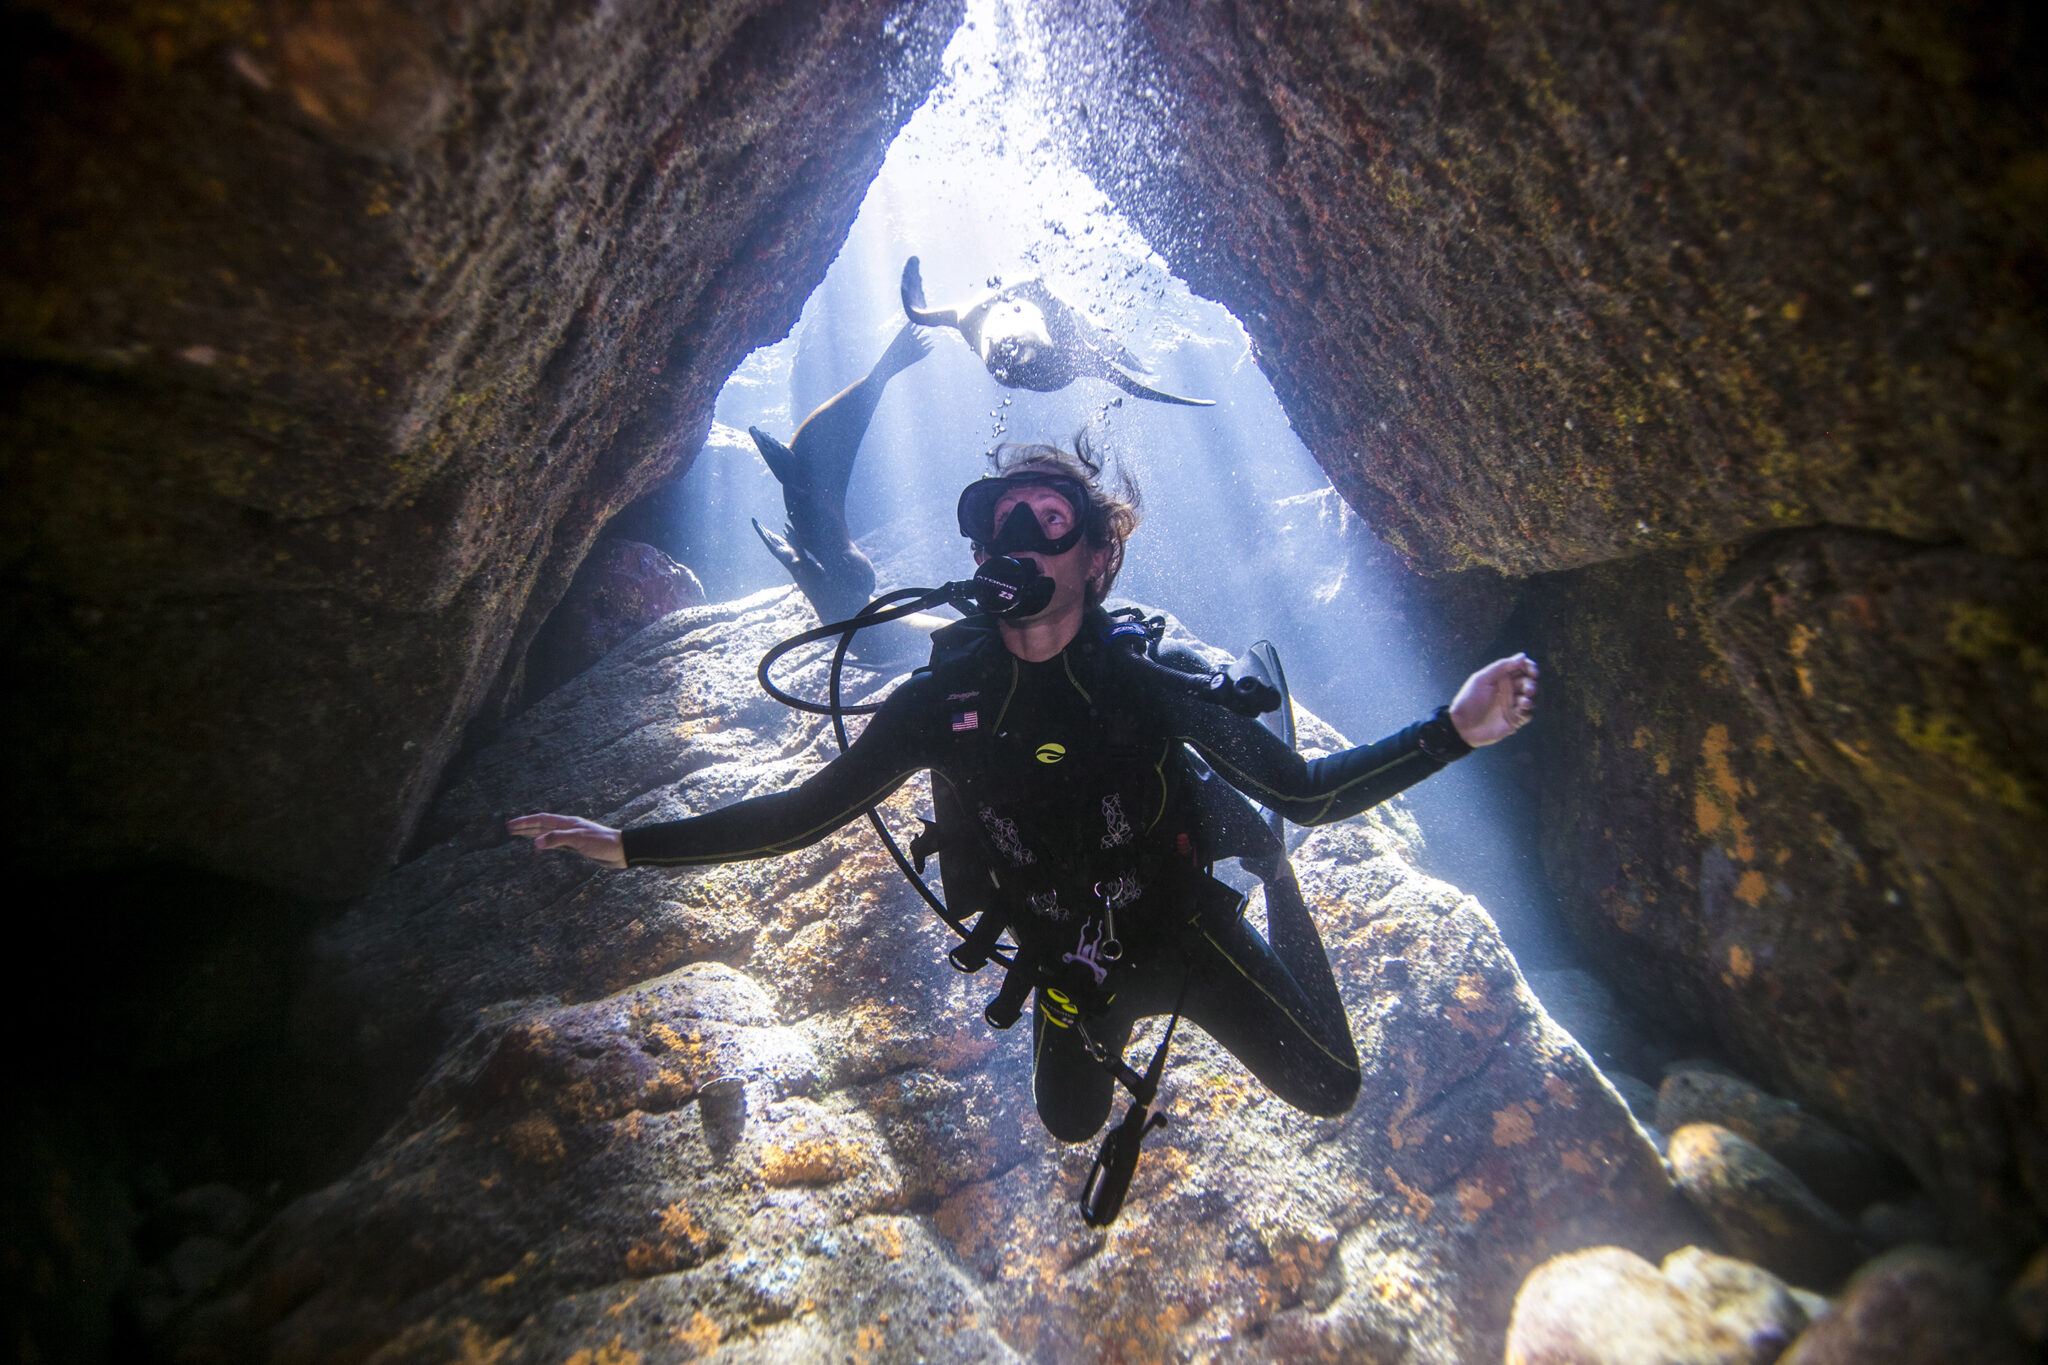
[(880, 610)]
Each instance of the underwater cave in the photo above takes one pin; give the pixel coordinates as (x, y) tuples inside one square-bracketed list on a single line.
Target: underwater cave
[(380, 391)]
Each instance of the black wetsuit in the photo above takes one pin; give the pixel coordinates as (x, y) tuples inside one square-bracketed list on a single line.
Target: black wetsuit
[(1081, 831)]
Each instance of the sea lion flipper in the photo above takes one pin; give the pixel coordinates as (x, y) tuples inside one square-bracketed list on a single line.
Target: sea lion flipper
[(913, 300), (785, 553), (782, 461), (909, 347), (1138, 390)]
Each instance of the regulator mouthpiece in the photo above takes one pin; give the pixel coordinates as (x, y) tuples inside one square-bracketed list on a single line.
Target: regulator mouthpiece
[(1011, 588)]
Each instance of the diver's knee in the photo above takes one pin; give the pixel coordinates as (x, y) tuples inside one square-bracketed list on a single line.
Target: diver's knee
[(1072, 1122)]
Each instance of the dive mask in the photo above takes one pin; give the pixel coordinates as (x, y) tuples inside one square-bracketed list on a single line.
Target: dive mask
[(1021, 531)]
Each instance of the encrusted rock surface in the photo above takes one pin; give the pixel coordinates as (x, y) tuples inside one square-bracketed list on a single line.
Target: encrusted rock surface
[(1544, 285), (332, 335), (1772, 816), (552, 1186)]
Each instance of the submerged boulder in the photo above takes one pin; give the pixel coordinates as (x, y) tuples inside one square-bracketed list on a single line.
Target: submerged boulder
[(622, 587), (557, 1184)]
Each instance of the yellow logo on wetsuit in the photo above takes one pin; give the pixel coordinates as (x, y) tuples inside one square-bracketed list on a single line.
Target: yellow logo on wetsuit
[(1051, 753)]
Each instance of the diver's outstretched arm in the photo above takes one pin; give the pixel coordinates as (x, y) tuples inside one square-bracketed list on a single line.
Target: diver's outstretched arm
[(599, 843), (1496, 701), (896, 743)]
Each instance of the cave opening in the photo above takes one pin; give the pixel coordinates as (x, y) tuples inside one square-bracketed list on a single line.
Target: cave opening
[(1244, 536)]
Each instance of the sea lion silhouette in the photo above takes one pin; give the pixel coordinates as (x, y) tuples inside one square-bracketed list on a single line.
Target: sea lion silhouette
[(1031, 338), (814, 470)]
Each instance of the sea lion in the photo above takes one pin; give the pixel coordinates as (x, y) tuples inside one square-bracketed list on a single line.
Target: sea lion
[(1030, 338), (814, 470)]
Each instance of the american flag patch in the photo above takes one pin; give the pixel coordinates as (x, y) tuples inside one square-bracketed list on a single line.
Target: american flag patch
[(967, 720)]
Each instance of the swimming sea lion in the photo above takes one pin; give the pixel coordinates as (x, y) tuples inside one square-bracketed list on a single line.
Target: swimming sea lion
[(1030, 338), (814, 470)]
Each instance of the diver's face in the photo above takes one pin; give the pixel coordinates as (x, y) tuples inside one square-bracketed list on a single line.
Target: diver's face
[(1070, 572)]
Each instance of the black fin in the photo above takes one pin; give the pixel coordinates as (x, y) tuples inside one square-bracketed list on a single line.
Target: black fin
[(785, 554), (1138, 390)]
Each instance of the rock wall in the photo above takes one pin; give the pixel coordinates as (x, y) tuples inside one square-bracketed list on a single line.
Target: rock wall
[(1728, 326), (332, 332)]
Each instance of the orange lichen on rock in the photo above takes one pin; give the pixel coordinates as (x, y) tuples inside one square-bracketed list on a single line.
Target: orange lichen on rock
[(818, 1161), (1473, 1199), (1420, 1205), (536, 1140), (1514, 1125), (613, 1352), (700, 1334), (1714, 804)]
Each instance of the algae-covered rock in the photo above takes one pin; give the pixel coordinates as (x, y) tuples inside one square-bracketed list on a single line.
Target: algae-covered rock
[(332, 334), (1753, 885), (1542, 287), (553, 1185)]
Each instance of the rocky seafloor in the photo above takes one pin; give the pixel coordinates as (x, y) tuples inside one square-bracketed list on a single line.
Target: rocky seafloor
[(748, 1113), (560, 1182)]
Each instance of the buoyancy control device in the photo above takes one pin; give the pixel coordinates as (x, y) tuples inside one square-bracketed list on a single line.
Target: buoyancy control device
[(1254, 686)]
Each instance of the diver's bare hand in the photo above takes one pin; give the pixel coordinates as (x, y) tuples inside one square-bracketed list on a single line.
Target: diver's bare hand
[(599, 843), (1496, 701)]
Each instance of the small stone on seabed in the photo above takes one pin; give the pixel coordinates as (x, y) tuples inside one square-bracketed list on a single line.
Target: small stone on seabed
[(2027, 1300), (1761, 1209), (1751, 1302), (1840, 1169), (1609, 1306), (1913, 1306)]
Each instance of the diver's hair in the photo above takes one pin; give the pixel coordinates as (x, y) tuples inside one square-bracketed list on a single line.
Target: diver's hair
[(1114, 506)]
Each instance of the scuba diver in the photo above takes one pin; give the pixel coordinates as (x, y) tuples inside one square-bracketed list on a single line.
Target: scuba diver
[(1073, 774)]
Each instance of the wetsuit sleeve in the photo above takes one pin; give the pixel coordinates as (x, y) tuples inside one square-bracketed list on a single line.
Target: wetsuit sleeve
[(1307, 791), (893, 746)]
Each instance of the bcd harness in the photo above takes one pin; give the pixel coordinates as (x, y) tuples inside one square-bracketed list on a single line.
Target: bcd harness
[(1122, 887)]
